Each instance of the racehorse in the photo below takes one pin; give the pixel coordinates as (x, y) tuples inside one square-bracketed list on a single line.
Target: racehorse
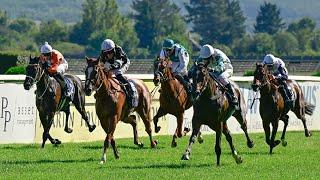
[(272, 105), (111, 104), (211, 107), (49, 99), (173, 98)]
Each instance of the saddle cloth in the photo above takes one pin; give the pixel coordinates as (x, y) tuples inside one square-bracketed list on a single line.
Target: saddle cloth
[(135, 95), (70, 87)]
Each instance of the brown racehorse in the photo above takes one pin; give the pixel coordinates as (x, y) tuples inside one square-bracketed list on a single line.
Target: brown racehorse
[(112, 107), (272, 105), (173, 98), (49, 96), (211, 107)]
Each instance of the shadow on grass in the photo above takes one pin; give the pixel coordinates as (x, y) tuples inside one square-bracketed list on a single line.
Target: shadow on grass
[(133, 147), (166, 166), (45, 161), (34, 146)]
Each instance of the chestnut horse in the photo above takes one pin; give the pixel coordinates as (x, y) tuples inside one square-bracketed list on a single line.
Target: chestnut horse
[(272, 105), (48, 98), (112, 106), (211, 107), (173, 98)]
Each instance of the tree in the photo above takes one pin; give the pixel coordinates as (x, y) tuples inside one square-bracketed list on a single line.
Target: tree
[(23, 25), (3, 18), (91, 20), (110, 24), (285, 44), (262, 44), (268, 19), (217, 21), (52, 31), (303, 31), (156, 20)]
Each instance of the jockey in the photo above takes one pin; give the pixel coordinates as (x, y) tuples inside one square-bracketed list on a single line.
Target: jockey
[(219, 67), (113, 56), (180, 59), (55, 65), (281, 74)]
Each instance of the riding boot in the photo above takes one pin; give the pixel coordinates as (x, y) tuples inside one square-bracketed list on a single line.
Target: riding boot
[(185, 82), (288, 95), (234, 100), (60, 79), (127, 87)]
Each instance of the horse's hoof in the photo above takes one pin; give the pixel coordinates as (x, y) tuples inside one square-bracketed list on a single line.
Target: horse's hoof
[(91, 128), (117, 156), (140, 145), (186, 130), (68, 130), (284, 143), (185, 157), (200, 139), (308, 134), (276, 143), (238, 160), (157, 129), (102, 162), (154, 144), (57, 142), (173, 144), (250, 144)]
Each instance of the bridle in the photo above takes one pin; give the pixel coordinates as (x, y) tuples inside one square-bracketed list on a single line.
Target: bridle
[(162, 71)]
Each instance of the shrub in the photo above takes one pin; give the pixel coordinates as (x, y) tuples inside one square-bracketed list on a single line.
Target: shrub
[(16, 70), (316, 74), (248, 73)]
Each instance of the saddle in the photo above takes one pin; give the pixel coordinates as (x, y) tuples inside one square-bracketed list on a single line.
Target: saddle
[(70, 89), (131, 92)]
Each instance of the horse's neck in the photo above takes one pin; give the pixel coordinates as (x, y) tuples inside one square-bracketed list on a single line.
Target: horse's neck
[(212, 86), (42, 83), (267, 92)]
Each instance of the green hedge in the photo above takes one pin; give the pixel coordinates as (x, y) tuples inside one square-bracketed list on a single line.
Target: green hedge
[(316, 74), (16, 70), (248, 73), (10, 59)]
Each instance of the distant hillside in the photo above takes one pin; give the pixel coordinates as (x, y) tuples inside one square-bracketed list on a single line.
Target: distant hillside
[(70, 11)]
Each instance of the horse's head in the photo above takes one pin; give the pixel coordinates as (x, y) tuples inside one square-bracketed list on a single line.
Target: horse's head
[(258, 76), (91, 74), (33, 72), (161, 67), (200, 78)]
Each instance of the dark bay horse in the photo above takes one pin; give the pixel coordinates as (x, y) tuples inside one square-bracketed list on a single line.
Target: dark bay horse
[(272, 105), (112, 107), (48, 98), (173, 97), (211, 107)]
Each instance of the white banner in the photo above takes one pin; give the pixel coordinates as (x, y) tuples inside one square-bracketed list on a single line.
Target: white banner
[(311, 92), (17, 114)]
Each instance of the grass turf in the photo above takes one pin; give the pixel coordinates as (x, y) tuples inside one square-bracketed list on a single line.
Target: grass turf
[(299, 159)]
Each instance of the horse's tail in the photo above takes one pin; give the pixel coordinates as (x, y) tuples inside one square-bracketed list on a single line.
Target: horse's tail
[(309, 108)]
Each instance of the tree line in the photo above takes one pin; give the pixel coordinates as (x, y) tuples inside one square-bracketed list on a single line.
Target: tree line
[(140, 33)]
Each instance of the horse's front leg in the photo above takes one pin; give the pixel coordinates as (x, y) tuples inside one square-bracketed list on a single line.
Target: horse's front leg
[(217, 147), (161, 112), (240, 115), (196, 124), (66, 128), (273, 142)]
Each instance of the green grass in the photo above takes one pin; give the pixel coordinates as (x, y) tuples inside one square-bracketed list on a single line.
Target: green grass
[(300, 159)]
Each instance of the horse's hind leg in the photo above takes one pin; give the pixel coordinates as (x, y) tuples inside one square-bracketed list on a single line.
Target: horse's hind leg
[(241, 118), (79, 103), (285, 121), (161, 112), (115, 150), (66, 128), (235, 155), (301, 115), (266, 128), (133, 121), (146, 120)]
